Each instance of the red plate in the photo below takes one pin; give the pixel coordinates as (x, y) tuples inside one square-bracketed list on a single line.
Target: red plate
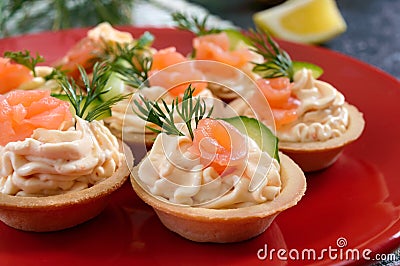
[(348, 209)]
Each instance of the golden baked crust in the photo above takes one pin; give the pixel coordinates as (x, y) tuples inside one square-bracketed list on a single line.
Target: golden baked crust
[(227, 225), (51, 213), (312, 156)]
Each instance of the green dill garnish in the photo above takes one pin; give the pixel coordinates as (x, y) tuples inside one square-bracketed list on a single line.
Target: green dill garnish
[(111, 52), (193, 24), (189, 109), (25, 59), (277, 61), (132, 62), (134, 72), (81, 99), (55, 74)]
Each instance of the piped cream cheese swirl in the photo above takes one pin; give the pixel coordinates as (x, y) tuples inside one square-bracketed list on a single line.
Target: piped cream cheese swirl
[(54, 162), (322, 114), (173, 173)]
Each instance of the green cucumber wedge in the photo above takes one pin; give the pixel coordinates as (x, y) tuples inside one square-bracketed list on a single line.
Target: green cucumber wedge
[(116, 85), (93, 105), (316, 70), (256, 130), (236, 38)]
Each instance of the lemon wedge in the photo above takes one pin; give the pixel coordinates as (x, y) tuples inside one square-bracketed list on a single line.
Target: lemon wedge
[(304, 21)]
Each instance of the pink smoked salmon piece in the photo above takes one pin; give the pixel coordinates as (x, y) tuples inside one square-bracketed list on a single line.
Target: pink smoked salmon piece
[(216, 47), (21, 112), (12, 75)]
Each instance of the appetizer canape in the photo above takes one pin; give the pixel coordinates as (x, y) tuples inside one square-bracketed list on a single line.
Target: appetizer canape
[(313, 121), (58, 170), (227, 46), (214, 180)]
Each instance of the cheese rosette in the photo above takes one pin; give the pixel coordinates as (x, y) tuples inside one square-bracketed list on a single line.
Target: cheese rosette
[(172, 172), (124, 120), (54, 162), (321, 114)]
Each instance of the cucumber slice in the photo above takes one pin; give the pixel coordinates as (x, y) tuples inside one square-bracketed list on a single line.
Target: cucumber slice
[(236, 38), (92, 106), (256, 130), (117, 86), (316, 70)]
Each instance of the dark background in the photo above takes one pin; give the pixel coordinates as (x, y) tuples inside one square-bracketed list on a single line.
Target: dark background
[(373, 27)]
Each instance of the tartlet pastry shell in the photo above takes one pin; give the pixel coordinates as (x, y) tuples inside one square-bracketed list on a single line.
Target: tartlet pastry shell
[(313, 156), (227, 225), (52, 213)]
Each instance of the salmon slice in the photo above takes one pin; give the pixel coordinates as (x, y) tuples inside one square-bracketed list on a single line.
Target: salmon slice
[(218, 143), (82, 54), (12, 75), (25, 99), (278, 93), (166, 57), (21, 112), (215, 47), (167, 72)]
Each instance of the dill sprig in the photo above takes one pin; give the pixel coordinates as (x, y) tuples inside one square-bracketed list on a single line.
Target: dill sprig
[(277, 61), (81, 99), (194, 24), (189, 109), (132, 62), (56, 74), (134, 73), (24, 58)]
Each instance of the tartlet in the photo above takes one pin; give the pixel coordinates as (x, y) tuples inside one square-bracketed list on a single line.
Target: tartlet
[(56, 169), (323, 124), (216, 180), (57, 212), (317, 155), (227, 225), (313, 156)]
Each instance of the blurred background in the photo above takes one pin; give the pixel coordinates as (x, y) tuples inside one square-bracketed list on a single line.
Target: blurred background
[(372, 35)]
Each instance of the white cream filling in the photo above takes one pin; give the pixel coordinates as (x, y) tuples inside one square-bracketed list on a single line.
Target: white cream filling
[(322, 114), (172, 172), (124, 120), (54, 162)]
